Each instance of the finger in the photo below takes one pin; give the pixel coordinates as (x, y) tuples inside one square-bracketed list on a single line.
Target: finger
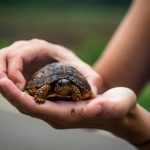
[(71, 59), (114, 103), (123, 97), (59, 114), (13, 94), (15, 68), (3, 65), (92, 77), (3, 56), (26, 104), (16, 99), (95, 82)]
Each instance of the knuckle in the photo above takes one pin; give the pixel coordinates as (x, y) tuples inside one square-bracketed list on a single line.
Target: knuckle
[(3, 53), (35, 40), (11, 55), (11, 74), (15, 43), (18, 42), (40, 44)]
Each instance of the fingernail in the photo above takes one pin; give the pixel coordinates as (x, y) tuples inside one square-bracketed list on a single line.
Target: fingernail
[(97, 110)]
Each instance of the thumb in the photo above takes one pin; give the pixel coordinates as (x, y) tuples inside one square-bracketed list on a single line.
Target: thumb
[(113, 103), (96, 84)]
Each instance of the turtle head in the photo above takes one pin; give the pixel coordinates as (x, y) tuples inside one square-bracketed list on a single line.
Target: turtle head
[(63, 87)]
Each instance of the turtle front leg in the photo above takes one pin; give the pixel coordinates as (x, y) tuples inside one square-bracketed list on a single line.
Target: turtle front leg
[(41, 93), (75, 93)]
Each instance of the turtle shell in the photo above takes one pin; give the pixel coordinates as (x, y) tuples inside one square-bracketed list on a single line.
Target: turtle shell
[(56, 71)]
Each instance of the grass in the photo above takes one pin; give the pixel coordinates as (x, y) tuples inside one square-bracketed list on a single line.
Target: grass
[(86, 29)]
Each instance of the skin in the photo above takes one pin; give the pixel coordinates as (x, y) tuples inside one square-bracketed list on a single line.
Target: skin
[(115, 109), (128, 56)]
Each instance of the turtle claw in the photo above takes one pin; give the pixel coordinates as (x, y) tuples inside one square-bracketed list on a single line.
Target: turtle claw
[(41, 94), (39, 100)]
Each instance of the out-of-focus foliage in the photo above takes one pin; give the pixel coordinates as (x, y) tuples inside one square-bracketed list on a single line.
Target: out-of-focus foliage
[(75, 26), (84, 26), (64, 2)]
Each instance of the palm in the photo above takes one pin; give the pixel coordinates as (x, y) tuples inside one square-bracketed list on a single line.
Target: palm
[(101, 112)]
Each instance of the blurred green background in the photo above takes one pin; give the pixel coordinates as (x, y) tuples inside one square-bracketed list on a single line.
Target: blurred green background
[(85, 26)]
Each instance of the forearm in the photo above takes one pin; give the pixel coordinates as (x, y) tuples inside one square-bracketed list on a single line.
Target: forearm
[(126, 62), (135, 127), (126, 59)]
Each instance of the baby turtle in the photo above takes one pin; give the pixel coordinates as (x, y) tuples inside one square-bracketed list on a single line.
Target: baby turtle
[(58, 81)]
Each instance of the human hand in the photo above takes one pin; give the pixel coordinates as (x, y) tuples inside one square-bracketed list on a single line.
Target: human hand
[(22, 58), (107, 111)]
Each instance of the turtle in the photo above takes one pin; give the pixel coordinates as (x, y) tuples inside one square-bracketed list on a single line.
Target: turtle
[(58, 81)]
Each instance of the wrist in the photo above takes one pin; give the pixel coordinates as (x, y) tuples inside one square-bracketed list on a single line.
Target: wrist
[(135, 127)]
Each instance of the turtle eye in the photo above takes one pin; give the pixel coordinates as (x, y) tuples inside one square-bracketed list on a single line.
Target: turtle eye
[(60, 83)]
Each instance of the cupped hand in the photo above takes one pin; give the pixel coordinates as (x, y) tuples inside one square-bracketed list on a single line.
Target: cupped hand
[(106, 111), (22, 58)]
